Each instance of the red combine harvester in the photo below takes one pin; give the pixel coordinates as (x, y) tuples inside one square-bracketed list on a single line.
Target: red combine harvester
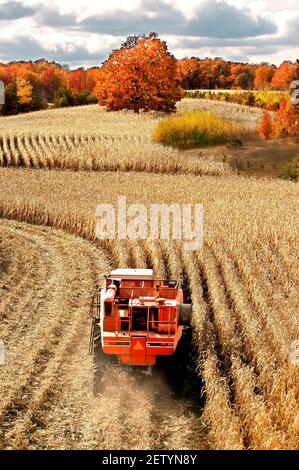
[(137, 321)]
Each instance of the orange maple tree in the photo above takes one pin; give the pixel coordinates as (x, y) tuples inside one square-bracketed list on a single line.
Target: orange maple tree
[(77, 80), (265, 128), (263, 77), (51, 78), (283, 76), (142, 74), (286, 122)]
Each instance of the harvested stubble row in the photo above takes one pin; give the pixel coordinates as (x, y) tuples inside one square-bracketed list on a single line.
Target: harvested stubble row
[(90, 139), (100, 153), (46, 399)]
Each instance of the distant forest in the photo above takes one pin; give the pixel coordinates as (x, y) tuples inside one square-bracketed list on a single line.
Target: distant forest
[(36, 85)]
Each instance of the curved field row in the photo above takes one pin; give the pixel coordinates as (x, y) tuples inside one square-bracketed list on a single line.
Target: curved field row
[(250, 356), (46, 399), (88, 138), (100, 153)]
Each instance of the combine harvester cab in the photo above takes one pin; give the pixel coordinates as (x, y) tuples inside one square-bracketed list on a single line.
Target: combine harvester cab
[(138, 320)]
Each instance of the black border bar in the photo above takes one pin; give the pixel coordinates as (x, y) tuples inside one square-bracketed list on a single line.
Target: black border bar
[(149, 459)]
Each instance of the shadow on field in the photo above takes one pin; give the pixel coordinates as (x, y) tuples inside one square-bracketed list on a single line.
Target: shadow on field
[(184, 381)]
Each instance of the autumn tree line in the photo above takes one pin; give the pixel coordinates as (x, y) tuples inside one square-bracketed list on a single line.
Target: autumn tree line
[(30, 86), (141, 74), (217, 73)]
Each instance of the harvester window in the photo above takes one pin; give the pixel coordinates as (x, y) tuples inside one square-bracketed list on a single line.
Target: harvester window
[(139, 319)]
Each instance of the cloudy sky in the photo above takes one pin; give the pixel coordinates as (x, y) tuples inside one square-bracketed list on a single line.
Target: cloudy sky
[(83, 32)]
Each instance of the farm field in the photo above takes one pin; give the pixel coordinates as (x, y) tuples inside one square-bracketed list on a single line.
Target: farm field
[(114, 143), (93, 140), (56, 167)]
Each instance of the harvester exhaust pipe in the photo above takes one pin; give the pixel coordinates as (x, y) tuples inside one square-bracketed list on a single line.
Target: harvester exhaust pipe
[(110, 295)]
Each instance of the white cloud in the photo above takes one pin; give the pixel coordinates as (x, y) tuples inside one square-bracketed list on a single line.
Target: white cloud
[(260, 30)]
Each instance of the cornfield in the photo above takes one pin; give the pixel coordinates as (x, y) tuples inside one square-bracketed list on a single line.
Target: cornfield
[(93, 153), (242, 284)]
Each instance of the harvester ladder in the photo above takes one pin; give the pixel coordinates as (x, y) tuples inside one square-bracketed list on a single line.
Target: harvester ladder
[(94, 313)]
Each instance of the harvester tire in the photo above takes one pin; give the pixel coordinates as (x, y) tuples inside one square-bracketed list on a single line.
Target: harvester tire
[(185, 314), (100, 360)]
